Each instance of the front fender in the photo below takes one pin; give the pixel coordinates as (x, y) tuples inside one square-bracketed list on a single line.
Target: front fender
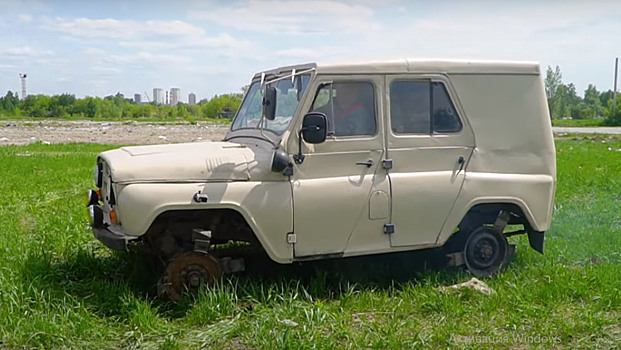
[(266, 206)]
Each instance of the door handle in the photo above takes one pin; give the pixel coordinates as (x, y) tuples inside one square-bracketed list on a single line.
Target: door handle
[(369, 163), (461, 162)]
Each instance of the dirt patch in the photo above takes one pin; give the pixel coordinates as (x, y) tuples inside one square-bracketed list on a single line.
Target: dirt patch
[(138, 133), (122, 133), (28, 223)]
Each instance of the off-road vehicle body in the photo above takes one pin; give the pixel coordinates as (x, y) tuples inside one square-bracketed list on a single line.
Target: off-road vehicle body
[(448, 154)]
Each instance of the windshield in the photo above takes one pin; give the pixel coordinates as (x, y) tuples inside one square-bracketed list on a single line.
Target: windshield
[(288, 97)]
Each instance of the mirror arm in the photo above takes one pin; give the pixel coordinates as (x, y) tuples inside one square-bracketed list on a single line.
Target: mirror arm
[(299, 158)]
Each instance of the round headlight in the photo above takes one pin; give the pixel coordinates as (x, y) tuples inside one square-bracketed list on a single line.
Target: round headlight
[(98, 175)]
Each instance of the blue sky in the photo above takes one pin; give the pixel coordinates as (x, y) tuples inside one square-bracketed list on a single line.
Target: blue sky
[(212, 47)]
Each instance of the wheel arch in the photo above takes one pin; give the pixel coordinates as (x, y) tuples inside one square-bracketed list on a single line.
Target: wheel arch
[(266, 207), (205, 217), (483, 211)]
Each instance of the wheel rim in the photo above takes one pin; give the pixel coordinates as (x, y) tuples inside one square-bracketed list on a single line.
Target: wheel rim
[(187, 273), (485, 251)]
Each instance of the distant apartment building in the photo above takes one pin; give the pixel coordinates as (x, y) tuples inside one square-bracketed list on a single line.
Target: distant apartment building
[(137, 98), (192, 99), (175, 96), (158, 96)]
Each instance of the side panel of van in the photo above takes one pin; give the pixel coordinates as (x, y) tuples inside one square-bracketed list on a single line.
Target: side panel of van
[(515, 159)]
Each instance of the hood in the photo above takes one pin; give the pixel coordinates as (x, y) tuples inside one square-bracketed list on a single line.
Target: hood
[(186, 162)]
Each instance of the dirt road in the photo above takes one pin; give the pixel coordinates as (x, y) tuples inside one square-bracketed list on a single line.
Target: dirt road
[(612, 130), (24, 132), (128, 132)]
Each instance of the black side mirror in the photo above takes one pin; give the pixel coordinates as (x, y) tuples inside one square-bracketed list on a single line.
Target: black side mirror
[(314, 130), (269, 103), (280, 161)]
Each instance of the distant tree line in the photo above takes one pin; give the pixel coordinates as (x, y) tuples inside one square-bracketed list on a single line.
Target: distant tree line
[(114, 107), (564, 102)]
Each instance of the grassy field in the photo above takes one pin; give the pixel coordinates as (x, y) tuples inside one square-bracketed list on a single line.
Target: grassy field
[(60, 288), (578, 122)]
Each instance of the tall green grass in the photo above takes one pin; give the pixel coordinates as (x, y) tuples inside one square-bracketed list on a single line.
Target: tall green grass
[(60, 288), (578, 122)]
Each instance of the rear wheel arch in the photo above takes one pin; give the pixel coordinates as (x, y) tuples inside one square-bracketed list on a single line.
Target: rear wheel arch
[(486, 214), (482, 214)]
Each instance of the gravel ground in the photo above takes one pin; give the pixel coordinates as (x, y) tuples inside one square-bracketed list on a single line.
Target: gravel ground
[(611, 130), (128, 132), (123, 133)]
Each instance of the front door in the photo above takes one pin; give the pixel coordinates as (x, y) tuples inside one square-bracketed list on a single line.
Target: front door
[(430, 145), (333, 187)]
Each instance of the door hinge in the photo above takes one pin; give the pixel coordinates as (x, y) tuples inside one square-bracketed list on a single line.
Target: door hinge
[(292, 238), (387, 164), (389, 228)]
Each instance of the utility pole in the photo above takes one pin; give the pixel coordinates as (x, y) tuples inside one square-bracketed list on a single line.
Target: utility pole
[(614, 93)]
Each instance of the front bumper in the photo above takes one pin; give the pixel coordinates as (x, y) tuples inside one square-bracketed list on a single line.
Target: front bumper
[(110, 235), (112, 240)]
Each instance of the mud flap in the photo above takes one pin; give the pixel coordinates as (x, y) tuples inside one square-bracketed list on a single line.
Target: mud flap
[(535, 238)]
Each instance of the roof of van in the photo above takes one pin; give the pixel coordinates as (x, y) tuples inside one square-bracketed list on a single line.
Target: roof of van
[(410, 65)]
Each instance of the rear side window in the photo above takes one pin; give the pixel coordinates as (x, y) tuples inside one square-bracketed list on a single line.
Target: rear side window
[(445, 118), (422, 107), (410, 107)]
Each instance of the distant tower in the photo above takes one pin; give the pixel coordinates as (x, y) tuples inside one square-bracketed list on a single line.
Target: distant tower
[(23, 78), (175, 96), (167, 97), (192, 99), (137, 98), (158, 96)]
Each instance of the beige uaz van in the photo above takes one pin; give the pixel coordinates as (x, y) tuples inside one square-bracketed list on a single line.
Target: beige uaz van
[(331, 161)]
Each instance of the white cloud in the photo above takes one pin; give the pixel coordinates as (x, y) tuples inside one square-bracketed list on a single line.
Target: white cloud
[(24, 18), (221, 41), (119, 29), (162, 36), (296, 53), (7, 67), (218, 45), (25, 51), (318, 54), (144, 57), (105, 70), (94, 51), (574, 35), (52, 61), (285, 17)]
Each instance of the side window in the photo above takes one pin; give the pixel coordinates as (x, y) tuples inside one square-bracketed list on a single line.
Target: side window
[(349, 107), (445, 118), (422, 107), (410, 107)]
